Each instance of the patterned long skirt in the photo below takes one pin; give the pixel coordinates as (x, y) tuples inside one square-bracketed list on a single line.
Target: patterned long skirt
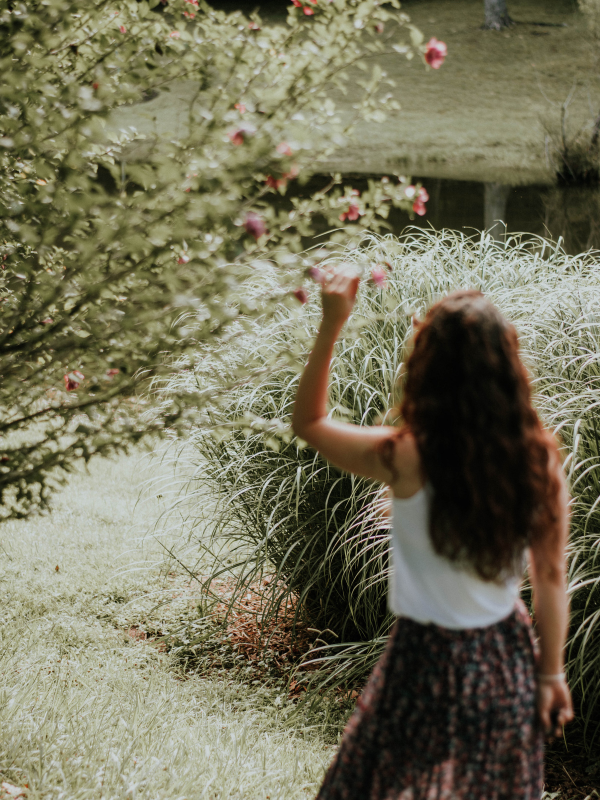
[(446, 715)]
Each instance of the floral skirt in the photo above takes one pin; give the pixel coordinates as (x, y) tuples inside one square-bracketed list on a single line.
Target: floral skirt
[(446, 715)]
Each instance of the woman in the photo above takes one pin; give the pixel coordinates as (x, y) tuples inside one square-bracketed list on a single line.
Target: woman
[(458, 703)]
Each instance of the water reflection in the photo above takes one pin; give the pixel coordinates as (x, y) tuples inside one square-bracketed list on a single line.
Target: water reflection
[(570, 213)]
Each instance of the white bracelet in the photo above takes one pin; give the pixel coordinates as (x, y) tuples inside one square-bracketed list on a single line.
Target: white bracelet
[(560, 676)]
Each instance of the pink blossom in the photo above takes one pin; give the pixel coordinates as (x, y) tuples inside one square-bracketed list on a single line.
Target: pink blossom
[(297, 3), (419, 208), (379, 277), (308, 11), (422, 195), (240, 107), (276, 183), (254, 225), (379, 26), (95, 86), (284, 149), (239, 136), (301, 295), (189, 14), (316, 274), (73, 379), (110, 373), (123, 29), (435, 53), (175, 34), (47, 321), (352, 214), (192, 2), (254, 26), (183, 258)]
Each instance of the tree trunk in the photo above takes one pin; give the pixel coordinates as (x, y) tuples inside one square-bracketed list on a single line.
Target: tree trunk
[(494, 209), (496, 15)]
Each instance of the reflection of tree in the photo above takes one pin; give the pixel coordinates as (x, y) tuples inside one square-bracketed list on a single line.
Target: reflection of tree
[(574, 215), (495, 197), (496, 15)]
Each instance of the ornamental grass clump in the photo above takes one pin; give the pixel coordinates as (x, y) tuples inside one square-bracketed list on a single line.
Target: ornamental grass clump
[(279, 509)]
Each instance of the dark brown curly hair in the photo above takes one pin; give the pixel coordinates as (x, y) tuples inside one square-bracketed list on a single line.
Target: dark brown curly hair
[(485, 454)]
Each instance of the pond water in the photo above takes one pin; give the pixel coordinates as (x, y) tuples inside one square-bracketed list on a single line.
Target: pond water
[(571, 213)]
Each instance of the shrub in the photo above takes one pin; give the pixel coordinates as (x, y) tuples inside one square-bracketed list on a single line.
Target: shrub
[(110, 235), (280, 509)]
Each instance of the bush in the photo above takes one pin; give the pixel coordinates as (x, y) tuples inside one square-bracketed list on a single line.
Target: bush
[(110, 236), (280, 509)]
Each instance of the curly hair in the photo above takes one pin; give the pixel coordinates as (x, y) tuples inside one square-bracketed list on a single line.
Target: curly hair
[(485, 454)]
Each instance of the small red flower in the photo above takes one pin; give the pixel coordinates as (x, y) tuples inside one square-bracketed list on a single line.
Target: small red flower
[(73, 379), (284, 149), (276, 183), (379, 27), (352, 214), (240, 135), (254, 26), (301, 295), (297, 3), (379, 277), (308, 11), (189, 14), (110, 373), (240, 107), (183, 258), (419, 208), (192, 2), (47, 321), (254, 225), (435, 53), (95, 86), (175, 34), (123, 29)]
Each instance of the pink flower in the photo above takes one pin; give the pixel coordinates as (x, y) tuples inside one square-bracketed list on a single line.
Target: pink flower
[(316, 274), (47, 321), (123, 29), (110, 373), (239, 136), (189, 14), (353, 213), (254, 26), (192, 2), (276, 183), (175, 34), (308, 11), (73, 379), (183, 258), (254, 225), (379, 26), (240, 107), (422, 195), (297, 3), (435, 53), (301, 295), (419, 208), (284, 149), (95, 86), (379, 277)]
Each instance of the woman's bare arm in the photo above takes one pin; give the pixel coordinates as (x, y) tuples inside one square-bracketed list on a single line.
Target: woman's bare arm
[(548, 577)]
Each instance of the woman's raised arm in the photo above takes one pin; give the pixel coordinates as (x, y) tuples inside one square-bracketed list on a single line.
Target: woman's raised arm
[(350, 447)]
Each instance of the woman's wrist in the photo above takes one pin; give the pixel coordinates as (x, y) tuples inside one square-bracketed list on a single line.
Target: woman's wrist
[(556, 677)]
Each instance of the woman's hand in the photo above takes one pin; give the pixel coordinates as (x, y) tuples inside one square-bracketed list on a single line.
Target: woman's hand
[(338, 293), (554, 705)]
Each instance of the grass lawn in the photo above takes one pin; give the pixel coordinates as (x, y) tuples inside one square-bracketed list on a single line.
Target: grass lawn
[(484, 115), (88, 708)]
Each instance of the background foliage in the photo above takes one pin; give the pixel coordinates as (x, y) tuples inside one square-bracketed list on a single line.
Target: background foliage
[(109, 236)]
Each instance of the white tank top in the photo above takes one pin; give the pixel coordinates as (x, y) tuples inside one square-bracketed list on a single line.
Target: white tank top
[(428, 587)]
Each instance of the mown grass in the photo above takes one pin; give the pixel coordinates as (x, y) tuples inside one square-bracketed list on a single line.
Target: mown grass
[(282, 510), (88, 708)]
